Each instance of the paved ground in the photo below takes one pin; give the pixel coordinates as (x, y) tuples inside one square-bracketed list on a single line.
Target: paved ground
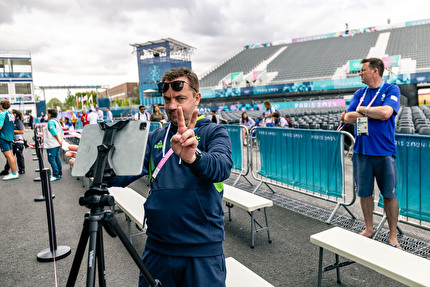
[(290, 260)]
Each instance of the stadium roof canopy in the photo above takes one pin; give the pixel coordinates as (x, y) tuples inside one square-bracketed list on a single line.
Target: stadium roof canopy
[(173, 44)]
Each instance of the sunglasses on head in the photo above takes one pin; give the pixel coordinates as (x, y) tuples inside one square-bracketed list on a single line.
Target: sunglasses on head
[(177, 86)]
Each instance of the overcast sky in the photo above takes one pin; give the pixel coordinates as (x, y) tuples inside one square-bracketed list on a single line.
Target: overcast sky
[(87, 42)]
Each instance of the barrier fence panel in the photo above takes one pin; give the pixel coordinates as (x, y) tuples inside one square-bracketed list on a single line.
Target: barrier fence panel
[(155, 125), (240, 159), (307, 161), (413, 173)]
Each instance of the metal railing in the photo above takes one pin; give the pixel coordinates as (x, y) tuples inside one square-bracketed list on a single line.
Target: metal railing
[(348, 195)]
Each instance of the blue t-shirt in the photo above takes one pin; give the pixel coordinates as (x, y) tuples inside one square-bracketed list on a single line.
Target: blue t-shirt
[(6, 122), (380, 141)]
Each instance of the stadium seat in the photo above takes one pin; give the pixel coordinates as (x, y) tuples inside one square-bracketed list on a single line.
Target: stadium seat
[(406, 130), (424, 131)]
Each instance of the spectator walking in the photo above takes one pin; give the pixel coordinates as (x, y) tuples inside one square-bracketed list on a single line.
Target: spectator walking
[(17, 144), (6, 137)]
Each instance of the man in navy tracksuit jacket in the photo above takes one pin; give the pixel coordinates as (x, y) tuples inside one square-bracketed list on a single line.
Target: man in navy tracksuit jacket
[(184, 215)]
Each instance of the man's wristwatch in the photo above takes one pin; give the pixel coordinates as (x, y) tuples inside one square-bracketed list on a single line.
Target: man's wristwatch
[(198, 155)]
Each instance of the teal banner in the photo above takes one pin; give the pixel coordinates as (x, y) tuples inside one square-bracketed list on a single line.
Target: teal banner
[(235, 133), (323, 85), (413, 173), (308, 159)]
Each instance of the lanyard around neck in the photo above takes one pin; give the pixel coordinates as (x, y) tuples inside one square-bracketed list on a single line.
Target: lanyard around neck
[(374, 97), (166, 156)]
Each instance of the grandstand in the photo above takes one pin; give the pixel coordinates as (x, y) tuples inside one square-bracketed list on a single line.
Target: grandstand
[(245, 61), (320, 58), (322, 66)]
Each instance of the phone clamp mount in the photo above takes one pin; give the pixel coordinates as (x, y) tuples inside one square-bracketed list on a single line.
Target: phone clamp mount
[(96, 198)]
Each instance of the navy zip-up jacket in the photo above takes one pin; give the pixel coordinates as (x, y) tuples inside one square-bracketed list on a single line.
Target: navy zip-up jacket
[(184, 214)]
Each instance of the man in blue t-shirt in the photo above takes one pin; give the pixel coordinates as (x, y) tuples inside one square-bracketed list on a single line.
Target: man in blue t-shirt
[(373, 110), (6, 138)]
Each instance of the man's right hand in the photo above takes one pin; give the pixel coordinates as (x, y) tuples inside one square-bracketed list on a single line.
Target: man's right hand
[(72, 153)]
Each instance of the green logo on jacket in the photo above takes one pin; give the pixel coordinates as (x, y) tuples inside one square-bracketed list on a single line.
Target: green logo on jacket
[(159, 145)]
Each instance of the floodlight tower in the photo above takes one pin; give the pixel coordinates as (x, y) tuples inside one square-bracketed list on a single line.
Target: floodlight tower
[(154, 58)]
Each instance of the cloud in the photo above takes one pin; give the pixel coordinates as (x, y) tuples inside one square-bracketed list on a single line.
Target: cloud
[(85, 41)]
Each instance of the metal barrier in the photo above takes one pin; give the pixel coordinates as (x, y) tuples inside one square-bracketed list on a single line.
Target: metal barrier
[(413, 185), (154, 125), (239, 157), (298, 160)]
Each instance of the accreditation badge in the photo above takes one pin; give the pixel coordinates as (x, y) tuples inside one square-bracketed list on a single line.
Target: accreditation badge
[(362, 126)]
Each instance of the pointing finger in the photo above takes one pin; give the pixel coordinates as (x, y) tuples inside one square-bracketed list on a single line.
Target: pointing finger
[(181, 120)]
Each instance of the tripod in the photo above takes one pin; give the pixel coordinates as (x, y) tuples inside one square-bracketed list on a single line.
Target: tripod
[(96, 198)]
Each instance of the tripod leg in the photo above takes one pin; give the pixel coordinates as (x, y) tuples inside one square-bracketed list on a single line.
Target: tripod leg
[(100, 257), (79, 254), (111, 220), (92, 249)]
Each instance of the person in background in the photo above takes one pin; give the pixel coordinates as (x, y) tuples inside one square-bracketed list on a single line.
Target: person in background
[(84, 118), (17, 144), (280, 121), (246, 121), (52, 141), (25, 121), (92, 117), (109, 116), (99, 114), (268, 113), (62, 122), (216, 118), (74, 118), (373, 110), (142, 115), (30, 121), (6, 137), (42, 118), (157, 115), (68, 124)]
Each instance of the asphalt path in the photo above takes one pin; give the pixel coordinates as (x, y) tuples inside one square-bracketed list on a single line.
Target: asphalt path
[(290, 260)]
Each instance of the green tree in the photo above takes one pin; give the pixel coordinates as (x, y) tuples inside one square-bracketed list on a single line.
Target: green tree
[(70, 102), (53, 103), (124, 102)]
